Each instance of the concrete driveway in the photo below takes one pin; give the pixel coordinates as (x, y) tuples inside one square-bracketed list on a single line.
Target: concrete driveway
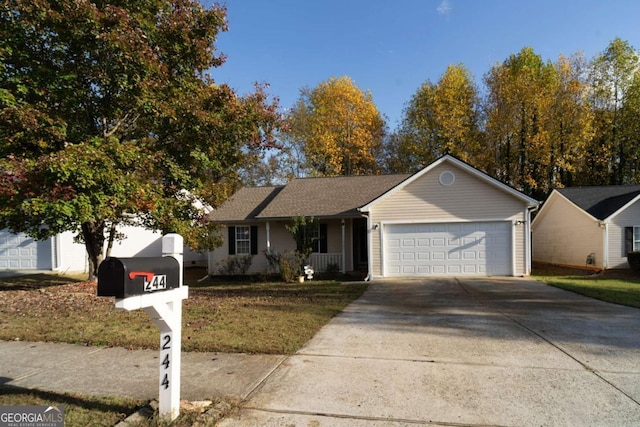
[(498, 352)]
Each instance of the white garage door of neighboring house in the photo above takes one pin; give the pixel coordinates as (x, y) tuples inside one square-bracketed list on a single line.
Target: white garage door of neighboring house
[(475, 248), (20, 252)]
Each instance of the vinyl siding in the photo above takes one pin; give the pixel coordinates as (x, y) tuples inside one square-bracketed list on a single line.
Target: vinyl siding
[(630, 217), (564, 234), (281, 241), (468, 199), (259, 263)]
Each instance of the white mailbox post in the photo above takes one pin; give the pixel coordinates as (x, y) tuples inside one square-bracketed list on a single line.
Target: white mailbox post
[(155, 285)]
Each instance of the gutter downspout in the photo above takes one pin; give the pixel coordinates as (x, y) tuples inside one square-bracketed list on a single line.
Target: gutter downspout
[(528, 240), (605, 246), (369, 237)]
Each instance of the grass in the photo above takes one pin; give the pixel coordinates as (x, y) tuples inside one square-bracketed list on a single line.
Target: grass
[(268, 318), (82, 410), (78, 410), (619, 287)]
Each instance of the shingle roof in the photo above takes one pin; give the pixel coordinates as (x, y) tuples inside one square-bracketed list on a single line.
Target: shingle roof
[(320, 197), (334, 196), (603, 201), (246, 203)]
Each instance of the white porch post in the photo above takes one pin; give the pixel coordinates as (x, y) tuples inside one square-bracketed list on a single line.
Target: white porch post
[(344, 257), (268, 238)]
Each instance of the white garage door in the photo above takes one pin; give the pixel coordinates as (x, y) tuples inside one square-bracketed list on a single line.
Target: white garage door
[(20, 252), (482, 248)]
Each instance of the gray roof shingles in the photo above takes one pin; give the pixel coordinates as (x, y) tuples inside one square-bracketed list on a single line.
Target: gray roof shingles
[(320, 197), (601, 201), (245, 204)]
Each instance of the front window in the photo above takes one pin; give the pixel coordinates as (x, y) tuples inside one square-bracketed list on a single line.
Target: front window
[(636, 238), (243, 241), (313, 235)]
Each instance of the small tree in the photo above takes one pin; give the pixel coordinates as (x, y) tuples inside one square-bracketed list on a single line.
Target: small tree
[(303, 229)]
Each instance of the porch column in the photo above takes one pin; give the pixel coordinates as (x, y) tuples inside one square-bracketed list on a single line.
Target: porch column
[(268, 238), (344, 258)]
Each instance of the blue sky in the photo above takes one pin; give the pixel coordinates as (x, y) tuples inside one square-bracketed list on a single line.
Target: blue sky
[(391, 48)]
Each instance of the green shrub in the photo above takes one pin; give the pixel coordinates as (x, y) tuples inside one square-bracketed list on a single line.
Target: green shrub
[(235, 265), (290, 263), (634, 261)]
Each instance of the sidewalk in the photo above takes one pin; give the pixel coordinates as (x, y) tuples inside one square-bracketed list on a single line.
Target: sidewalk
[(106, 371)]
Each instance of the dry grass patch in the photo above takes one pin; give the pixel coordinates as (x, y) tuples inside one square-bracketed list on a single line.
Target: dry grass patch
[(79, 411), (276, 318)]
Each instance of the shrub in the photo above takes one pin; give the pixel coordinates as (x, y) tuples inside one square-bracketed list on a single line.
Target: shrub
[(634, 261), (235, 265), (273, 261), (332, 268), (290, 263)]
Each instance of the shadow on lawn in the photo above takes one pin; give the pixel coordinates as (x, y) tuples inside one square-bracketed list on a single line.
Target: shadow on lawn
[(28, 396), (34, 282)]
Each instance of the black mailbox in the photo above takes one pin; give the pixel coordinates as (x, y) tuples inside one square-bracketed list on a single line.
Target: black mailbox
[(125, 277)]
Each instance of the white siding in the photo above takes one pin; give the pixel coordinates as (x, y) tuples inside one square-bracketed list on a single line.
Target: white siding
[(564, 234), (138, 242), (468, 199), (630, 217), (281, 241)]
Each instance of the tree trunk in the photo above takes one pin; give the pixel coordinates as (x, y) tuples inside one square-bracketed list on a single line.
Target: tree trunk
[(93, 235), (112, 237)]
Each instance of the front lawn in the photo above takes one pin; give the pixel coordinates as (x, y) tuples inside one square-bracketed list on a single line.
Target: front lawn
[(619, 287), (271, 318)]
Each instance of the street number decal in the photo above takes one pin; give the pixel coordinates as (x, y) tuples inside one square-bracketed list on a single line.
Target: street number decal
[(151, 282), (156, 284), (167, 340), (166, 360)]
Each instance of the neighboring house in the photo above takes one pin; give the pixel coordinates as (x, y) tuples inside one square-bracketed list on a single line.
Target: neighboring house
[(588, 227), (61, 254), (447, 219)]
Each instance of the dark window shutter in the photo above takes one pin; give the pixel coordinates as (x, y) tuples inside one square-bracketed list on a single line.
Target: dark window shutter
[(254, 240), (628, 240), (323, 239), (232, 240)]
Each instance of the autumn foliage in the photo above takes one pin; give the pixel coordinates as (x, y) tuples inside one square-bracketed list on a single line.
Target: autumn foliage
[(339, 127)]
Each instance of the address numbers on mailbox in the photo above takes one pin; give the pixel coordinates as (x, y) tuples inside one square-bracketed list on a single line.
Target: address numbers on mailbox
[(124, 277)]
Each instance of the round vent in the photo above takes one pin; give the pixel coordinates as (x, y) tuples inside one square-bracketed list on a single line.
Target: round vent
[(447, 178)]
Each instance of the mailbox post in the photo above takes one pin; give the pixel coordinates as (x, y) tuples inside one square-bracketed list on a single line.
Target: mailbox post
[(155, 285)]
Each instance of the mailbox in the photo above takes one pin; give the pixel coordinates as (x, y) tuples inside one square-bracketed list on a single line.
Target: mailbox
[(125, 277)]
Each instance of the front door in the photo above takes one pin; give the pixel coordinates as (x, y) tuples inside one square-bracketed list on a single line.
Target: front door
[(360, 252)]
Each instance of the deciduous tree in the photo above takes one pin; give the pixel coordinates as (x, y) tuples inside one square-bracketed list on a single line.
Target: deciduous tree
[(614, 80), (107, 117), (519, 101), (440, 118), (339, 127)]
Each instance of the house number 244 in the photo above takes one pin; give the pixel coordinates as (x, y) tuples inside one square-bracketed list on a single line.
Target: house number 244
[(165, 351)]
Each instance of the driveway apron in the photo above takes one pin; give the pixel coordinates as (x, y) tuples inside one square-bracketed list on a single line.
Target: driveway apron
[(458, 351)]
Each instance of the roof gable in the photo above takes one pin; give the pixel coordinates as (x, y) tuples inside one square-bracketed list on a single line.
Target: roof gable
[(601, 202), (465, 166)]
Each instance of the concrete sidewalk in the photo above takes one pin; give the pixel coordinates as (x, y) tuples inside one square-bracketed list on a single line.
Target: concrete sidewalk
[(498, 352), (118, 372)]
